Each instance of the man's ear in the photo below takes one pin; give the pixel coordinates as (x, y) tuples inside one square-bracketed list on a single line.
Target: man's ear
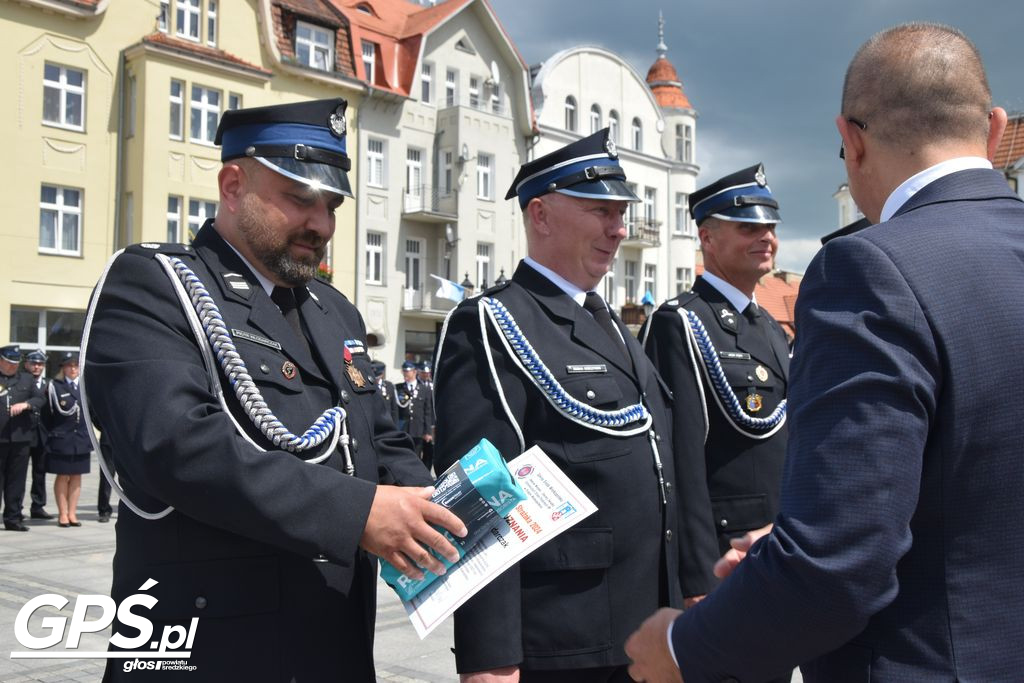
[(996, 128), (539, 215), (853, 140), (232, 181)]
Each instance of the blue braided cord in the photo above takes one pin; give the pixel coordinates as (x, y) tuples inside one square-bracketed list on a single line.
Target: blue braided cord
[(238, 374), (558, 395), (721, 384)]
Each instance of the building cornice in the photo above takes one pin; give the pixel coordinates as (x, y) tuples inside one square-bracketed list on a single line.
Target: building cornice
[(183, 54), (76, 9)]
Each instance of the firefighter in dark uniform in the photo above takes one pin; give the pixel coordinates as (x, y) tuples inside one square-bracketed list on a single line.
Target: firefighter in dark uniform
[(415, 409), (726, 361), (386, 388), (19, 398), (204, 366), (553, 367), (35, 364)]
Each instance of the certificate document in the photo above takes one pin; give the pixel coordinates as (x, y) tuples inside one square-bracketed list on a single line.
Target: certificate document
[(553, 504)]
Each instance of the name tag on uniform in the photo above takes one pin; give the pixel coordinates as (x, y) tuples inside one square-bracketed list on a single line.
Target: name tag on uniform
[(242, 334), (734, 355), (585, 369)]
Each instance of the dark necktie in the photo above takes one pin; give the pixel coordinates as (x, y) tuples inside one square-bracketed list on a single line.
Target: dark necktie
[(751, 313), (284, 297), (595, 304)]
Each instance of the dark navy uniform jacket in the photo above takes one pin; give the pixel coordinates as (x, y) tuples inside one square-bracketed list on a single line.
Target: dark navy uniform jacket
[(239, 550), (417, 415), (572, 603), (742, 473), (19, 387), (66, 434), (898, 552)]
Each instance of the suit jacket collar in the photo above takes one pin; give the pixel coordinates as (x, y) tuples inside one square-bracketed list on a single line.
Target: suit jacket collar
[(584, 329), (972, 184), (226, 266)]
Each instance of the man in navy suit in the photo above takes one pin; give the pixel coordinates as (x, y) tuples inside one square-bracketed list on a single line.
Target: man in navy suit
[(897, 554)]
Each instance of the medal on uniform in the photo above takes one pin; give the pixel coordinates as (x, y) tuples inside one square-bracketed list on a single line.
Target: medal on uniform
[(761, 372), (754, 401), (288, 370), (352, 371)]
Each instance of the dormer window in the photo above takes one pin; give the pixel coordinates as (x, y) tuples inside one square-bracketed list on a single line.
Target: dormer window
[(314, 46), (369, 60)]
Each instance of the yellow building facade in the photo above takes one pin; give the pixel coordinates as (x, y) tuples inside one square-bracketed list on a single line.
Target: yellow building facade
[(110, 114)]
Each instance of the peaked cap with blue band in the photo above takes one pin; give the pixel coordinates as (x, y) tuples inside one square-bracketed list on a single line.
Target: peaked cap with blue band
[(304, 141), (743, 196), (587, 168), (11, 353), (36, 356)]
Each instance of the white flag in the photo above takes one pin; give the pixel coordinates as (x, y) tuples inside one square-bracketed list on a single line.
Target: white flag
[(449, 290)]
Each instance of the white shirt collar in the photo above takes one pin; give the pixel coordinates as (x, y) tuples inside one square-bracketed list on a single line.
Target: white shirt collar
[(738, 299), (267, 285), (918, 181), (575, 293)]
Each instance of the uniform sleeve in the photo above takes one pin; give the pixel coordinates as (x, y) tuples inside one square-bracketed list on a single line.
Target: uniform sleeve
[(487, 627), (147, 386), (864, 381), (666, 345)]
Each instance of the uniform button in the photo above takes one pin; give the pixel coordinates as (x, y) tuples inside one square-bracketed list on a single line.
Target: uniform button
[(200, 602), (668, 535), (657, 437), (668, 486), (355, 444), (724, 523), (750, 378), (344, 396), (265, 368), (591, 395), (321, 558)]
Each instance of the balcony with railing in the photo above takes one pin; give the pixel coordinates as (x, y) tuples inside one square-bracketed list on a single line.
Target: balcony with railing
[(642, 232), (430, 204), (425, 303)]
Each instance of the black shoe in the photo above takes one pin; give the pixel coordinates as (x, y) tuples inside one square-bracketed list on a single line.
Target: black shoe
[(63, 525), (104, 517), (15, 526), (75, 523), (41, 514)]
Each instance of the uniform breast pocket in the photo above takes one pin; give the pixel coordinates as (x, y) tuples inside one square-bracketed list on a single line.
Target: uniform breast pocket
[(360, 376), (744, 373), (600, 391), (269, 367)]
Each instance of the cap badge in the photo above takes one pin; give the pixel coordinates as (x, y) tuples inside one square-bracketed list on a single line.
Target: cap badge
[(609, 146), (336, 122), (760, 177)]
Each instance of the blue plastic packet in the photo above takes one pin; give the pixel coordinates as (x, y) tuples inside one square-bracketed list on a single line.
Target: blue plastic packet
[(479, 489)]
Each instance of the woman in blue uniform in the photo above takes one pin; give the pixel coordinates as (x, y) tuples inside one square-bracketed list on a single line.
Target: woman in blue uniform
[(68, 443)]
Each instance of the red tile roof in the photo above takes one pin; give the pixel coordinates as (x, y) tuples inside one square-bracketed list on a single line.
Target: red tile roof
[(666, 86), (202, 51), (777, 296), (1011, 147)]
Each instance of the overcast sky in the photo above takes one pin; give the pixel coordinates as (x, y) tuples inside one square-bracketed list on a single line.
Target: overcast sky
[(765, 77)]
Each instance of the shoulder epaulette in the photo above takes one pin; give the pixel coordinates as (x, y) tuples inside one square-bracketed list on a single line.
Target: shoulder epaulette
[(151, 249), (495, 288), (679, 301)]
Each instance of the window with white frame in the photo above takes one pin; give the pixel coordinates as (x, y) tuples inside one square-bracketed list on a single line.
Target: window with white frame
[(629, 280), (684, 278), (375, 162), (447, 158), (60, 220), (636, 137), (177, 123), (650, 206), (414, 172), (369, 60), (187, 19), (688, 143), (199, 210), (234, 101), (375, 258), (474, 92), (682, 211), (174, 218), (570, 114), (595, 118), (161, 19), (651, 280), (451, 87), (496, 98), (483, 265), (680, 142), (484, 176), (52, 331), (64, 96), (314, 46), (413, 264), (613, 126), (211, 23), (427, 83), (204, 114)]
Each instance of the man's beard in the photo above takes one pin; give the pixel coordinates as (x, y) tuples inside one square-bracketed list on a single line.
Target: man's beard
[(272, 252)]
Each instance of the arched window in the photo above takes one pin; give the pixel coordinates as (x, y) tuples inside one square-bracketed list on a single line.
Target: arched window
[(613, 126), (637, 135), (570, 114), (595, 118)]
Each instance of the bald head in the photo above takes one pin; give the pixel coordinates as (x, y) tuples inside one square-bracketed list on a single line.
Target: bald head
[(919, 84)]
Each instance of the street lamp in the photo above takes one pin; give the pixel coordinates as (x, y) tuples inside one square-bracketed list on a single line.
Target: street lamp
[(467, 285), (501, 278)]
